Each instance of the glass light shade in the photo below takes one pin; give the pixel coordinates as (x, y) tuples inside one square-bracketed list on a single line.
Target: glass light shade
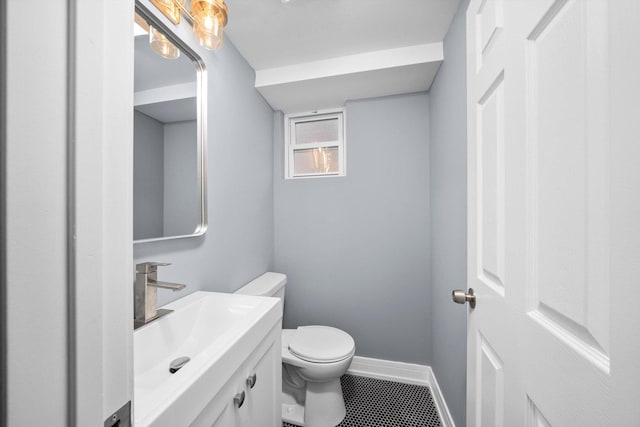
[(210, 19), (209, 40), (169, 8), (161, 45)]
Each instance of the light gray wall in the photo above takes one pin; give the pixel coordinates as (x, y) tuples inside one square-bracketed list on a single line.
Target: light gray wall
[(449, 217), (181, 202), (238, 245), (148, 177), (356, 248)]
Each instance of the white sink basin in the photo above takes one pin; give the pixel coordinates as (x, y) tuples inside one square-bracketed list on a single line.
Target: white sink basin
[(216, 331)]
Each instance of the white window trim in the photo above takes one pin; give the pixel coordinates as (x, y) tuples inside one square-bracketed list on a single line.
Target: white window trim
[(291, 119)]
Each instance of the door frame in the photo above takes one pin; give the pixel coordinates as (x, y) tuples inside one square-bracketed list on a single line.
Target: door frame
[(67, 257)]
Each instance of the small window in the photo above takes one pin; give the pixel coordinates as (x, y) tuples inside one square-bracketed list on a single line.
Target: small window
[(314, 144)]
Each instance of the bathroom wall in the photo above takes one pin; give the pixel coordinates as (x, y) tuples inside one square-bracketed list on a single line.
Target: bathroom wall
[(148, 178), (356, 248), (181, 208), (448, 217), (238, 244)]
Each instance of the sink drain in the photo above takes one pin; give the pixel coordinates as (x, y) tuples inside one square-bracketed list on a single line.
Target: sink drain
[(178, 363)]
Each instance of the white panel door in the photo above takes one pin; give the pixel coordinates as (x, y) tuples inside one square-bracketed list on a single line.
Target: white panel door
[(551, 238)]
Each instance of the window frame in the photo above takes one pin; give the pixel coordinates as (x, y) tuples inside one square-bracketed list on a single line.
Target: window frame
[(290, 146)]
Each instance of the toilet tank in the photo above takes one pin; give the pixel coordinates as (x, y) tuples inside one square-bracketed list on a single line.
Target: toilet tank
[(268, 285)]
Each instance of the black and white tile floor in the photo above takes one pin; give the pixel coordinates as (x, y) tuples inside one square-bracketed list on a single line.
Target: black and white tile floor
[(379, 403)]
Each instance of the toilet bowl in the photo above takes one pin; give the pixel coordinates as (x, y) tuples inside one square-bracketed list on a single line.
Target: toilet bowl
[(319, 355), (313, 360)]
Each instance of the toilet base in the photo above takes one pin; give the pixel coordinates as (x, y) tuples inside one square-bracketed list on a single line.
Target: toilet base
[(324, 405), (293, 413)]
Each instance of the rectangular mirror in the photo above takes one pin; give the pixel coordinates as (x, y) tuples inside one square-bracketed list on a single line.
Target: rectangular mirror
[(169, 175)]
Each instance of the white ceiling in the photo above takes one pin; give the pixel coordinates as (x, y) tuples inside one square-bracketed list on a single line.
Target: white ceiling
[(175, 110), (271, 34), (375, 45)]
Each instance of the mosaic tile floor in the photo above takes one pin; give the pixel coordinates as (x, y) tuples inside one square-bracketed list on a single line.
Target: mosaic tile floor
[(379, 403)]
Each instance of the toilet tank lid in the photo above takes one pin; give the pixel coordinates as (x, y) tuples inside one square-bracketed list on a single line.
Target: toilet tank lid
[(266, 285)]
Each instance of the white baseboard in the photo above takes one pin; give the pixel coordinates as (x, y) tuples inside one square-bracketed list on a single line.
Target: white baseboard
[(438, 398), (408, 373)]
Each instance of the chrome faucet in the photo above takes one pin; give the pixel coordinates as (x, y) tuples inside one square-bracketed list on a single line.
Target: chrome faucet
[(145, 295)]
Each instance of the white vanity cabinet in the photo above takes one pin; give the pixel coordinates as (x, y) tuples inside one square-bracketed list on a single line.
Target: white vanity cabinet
[(228, 338), (252, 396)]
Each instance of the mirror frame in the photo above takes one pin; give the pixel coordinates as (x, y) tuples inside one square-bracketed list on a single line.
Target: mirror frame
[(201, 119)]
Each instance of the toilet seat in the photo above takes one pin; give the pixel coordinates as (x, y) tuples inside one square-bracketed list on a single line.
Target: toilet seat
[(321, 344)]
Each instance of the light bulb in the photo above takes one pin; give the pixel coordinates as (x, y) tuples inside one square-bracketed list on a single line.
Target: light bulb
[(210, 18), (208, 23)]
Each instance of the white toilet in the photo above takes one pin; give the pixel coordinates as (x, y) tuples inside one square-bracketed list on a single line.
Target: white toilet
[(313, 360)]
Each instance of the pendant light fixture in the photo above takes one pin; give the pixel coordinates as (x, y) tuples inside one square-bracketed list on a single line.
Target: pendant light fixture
[(208, 17)]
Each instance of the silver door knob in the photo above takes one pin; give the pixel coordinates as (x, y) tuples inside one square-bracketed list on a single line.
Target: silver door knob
[(460, 297)]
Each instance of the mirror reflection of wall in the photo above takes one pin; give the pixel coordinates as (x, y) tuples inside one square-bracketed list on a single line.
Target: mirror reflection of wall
[(166, 193)]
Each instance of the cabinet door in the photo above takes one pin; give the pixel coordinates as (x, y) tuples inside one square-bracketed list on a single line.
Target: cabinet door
[(262, 405), (222, 411), (228, 417), (263, 402)]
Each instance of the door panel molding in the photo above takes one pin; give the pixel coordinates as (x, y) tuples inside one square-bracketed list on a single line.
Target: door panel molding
[(544, 80)]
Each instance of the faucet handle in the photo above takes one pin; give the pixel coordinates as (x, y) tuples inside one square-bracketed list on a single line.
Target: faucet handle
[(150, 267)]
